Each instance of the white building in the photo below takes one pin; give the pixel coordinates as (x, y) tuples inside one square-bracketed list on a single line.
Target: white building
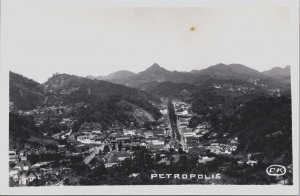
[(251, 162), (31, 177), (189, 134), (157, 142), (13, 171), (89, 139), (128, 132), (23, 180), (148, 134)]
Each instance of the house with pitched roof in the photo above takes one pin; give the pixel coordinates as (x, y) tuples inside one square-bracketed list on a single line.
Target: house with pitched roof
[(31, 177)]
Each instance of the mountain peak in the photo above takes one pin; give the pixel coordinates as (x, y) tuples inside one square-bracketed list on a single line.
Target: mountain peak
[(278, 72), (122, 74), (62, 80), (239, 68), (220, 64), (278, 69), (155, 66)]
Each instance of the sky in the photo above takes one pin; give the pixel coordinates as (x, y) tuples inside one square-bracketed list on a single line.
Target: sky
[(41, 38)]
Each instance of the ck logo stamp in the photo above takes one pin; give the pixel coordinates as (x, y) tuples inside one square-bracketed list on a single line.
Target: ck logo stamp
[(276, 170)]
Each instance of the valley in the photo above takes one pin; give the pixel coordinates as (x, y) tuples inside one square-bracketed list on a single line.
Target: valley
[(124, 127)]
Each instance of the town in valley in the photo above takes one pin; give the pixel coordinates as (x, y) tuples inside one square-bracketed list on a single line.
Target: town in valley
[(64, 132)]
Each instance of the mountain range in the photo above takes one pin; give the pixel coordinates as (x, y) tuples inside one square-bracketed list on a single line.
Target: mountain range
[(156, 73), (123, 92), (230, 80), (242, 101), (251, 105), (118, 75), (156, 80)]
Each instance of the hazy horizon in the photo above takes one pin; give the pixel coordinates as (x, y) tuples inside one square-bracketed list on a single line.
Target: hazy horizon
[(46, 37), (133, 71)]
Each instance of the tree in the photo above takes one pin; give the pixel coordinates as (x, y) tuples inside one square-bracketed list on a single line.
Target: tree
[(114, 147), (120, 146), (106, 149), (12, 164), (180, 151), (51, 146)]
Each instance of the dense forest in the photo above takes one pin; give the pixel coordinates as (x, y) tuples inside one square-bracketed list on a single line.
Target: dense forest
[(264, 125), (21, 128), (25, 93)]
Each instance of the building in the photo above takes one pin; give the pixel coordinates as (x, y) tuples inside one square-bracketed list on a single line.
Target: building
[(90, 139), (189, 134), (13, 157), (31, 177), (23, 179), (123, 139), (164, 111), (155, 147), (14, 171), (157, 142), (129, 132), (23, 166), (115, 157), (252, 162), (205, 159), (23, 155)]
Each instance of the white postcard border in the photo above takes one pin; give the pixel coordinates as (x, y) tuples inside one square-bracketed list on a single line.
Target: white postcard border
[(158, 189)]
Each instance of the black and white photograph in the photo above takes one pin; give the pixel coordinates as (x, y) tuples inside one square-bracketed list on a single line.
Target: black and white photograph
[(101, 94)]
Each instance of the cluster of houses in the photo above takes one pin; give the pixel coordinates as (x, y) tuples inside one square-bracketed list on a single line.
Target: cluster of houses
[(90, 139), (182, 108), (46, 113), (202, 139), (233, 88), (191, 137), (275, 92), (227, 147), (59, 110), (22, 172), (121, 143), (246, 88), (90, 133), (115, 157), (156, 139), (61, 135), (201, 130)]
